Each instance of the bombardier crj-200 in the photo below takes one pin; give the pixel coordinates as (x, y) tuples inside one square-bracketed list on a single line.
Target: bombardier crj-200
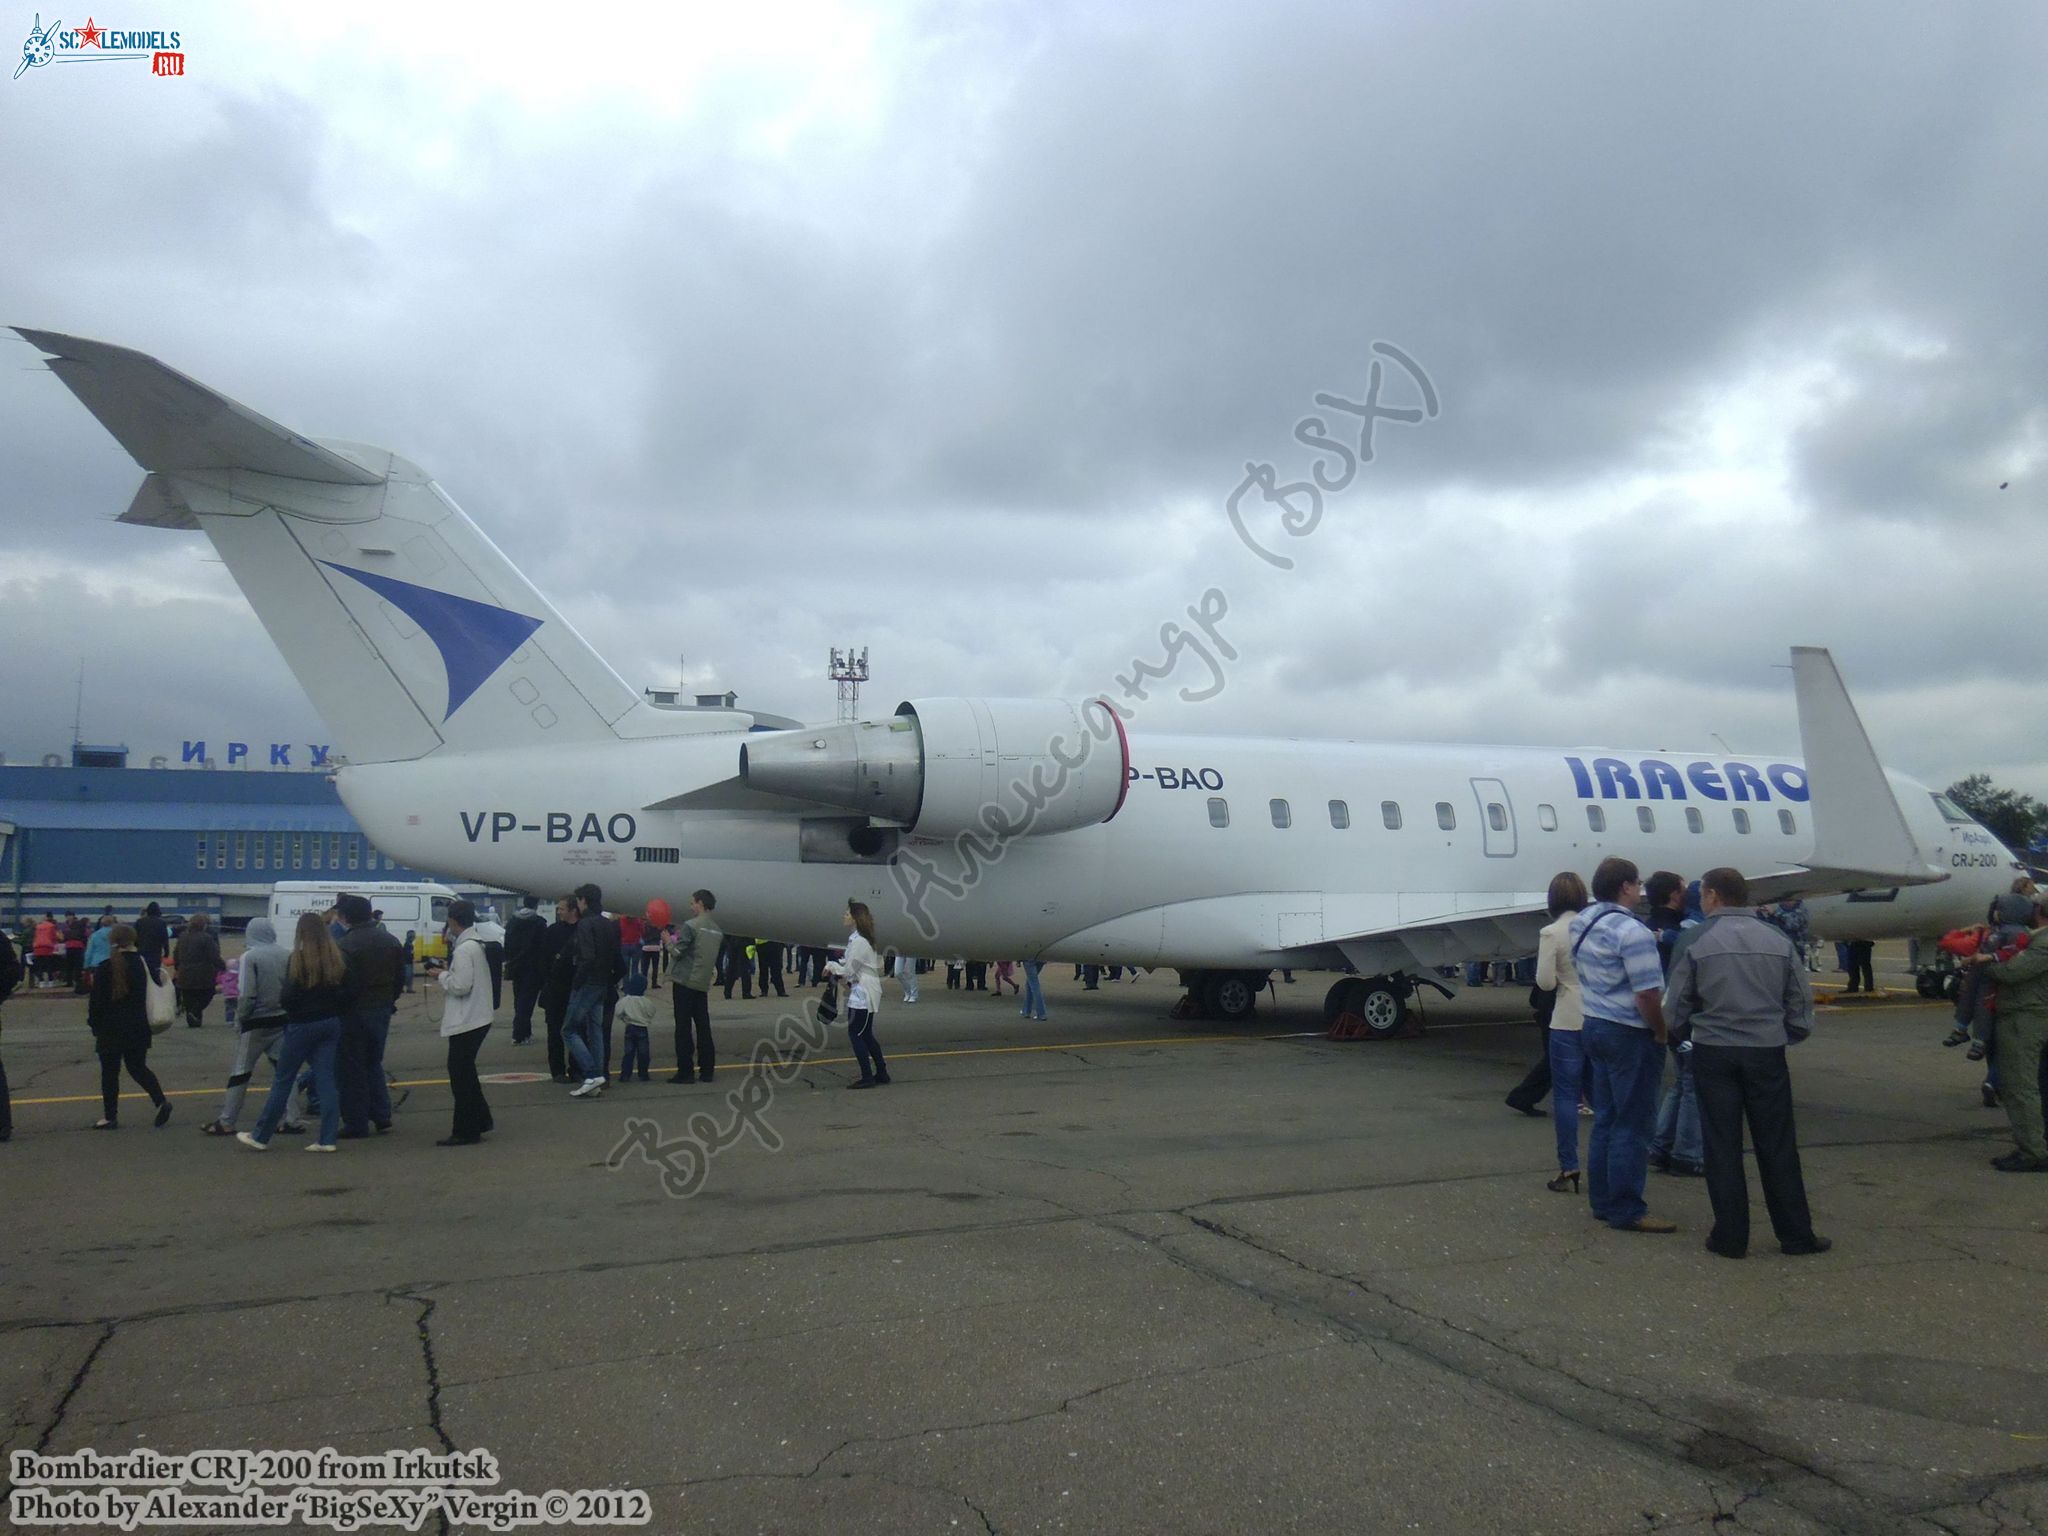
[(483, 738)]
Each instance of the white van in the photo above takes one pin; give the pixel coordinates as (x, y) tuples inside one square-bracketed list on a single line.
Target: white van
[(416, 907)]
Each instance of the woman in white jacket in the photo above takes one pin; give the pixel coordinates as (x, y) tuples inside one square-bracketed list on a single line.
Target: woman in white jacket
[(1568, 1080), (464, 1022), (862, 969)]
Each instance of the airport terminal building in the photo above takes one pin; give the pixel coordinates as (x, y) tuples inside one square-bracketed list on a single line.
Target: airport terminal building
[(78, 836)]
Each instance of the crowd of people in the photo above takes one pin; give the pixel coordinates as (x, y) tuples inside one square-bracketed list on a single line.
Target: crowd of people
[(1635, 977), (1668, 1028)]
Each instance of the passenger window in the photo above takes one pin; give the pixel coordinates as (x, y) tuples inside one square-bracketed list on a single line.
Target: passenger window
[(1694, 821), (1340, 815), (1785, 823), (1390, 813), (1219, 811), (1497, 816), (1446, 817), (1282, 816), (1646, 818), (1596, 818), (1742, 821), (1546, 817)]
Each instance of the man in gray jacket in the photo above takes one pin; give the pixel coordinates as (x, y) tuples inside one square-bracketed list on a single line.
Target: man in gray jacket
[(1738, 992), (693, 964)]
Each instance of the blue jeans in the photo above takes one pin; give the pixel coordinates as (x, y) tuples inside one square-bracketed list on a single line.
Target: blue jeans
[(636, 1050), (359, 1069), (1567, 1083), (1626, 1065), (1678, 1118), (315, 1040), (1034, 992), (583, 1032)]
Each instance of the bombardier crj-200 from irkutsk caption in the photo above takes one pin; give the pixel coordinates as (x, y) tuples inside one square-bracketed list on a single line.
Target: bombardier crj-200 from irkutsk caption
[(482, 738)]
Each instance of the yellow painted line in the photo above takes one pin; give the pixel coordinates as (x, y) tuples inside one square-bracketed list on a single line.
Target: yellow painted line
[(737, 1066)]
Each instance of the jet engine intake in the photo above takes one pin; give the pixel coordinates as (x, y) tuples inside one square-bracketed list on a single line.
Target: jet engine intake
[(939, 767)]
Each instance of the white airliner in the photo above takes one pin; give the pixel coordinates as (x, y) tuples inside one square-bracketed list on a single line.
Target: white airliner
[(484, 739)]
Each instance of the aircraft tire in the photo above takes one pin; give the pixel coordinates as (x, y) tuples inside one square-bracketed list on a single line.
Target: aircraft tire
[(1382, 1006), (1231, 996)]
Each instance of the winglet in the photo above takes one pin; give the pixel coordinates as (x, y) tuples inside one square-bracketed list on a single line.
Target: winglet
[(167, 421), (1859, 829)]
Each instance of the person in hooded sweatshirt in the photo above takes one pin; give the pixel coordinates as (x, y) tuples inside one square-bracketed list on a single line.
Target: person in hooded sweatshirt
[(316, 995), (260, 1018)]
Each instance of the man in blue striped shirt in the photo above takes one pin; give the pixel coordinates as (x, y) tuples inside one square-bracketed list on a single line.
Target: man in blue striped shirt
[(1623, 985)]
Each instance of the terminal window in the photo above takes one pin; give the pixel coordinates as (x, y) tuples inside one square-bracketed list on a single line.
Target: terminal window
[(334, 850), (220, 852), (277, 850), (1390, 813), (1446, 817), (1694, 821), (355, 852), (298, 851), (1646, 818), (1596, 819), (1546, 817), (259, 846), (200, 862), (241, 850), (1283, 815), (1340, 815), (1742, 821), (1219, 811), (1786, 824)]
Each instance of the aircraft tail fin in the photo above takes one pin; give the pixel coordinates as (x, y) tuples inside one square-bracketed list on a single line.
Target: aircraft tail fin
[(409, 630), (1860, 835)]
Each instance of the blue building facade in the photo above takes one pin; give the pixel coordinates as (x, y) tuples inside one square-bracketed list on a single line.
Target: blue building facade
[(190, 839)]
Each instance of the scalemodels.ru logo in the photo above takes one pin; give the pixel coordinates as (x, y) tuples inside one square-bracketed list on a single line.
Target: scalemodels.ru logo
[(93, 43)]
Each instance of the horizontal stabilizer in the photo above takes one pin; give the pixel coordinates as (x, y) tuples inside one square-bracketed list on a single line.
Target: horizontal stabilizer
[(167, 421)]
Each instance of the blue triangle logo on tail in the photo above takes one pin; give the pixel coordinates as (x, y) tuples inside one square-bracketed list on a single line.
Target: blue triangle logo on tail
[(474, 638)]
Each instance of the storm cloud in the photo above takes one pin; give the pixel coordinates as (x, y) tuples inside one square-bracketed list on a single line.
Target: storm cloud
[(951, 331)]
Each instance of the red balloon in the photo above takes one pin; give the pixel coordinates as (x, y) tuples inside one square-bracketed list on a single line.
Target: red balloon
[(658, 913)]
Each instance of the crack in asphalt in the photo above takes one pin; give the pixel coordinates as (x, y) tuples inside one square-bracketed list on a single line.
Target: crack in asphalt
[(1000, 1421), (55, 1421), (1865, 1512), (423, 1324)]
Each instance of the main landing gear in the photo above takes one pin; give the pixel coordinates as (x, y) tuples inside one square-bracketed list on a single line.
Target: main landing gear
[(1381, 1001), (1229, 996)]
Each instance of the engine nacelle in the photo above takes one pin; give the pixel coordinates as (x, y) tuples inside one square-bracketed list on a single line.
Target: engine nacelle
[(1009, 767)]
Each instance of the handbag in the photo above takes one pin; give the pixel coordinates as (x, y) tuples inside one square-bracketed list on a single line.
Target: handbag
[(828, 1003), (161, 1004)]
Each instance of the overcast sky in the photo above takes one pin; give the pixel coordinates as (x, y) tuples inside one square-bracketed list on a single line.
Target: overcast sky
[(950, 331)]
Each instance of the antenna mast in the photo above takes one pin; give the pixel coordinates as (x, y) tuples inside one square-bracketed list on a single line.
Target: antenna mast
[(849, 671)]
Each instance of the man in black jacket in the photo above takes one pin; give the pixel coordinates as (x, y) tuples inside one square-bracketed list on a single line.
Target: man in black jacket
[(376, 972), (152, 937), (597, 966), (556, 963), (522, 964)]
